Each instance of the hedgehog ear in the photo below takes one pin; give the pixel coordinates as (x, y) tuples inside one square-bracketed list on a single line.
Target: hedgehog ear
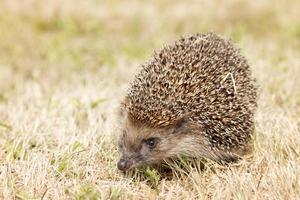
[(122, 111), (181, 126)]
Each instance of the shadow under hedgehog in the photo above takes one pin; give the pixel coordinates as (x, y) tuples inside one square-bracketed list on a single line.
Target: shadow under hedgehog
[(194, 98)]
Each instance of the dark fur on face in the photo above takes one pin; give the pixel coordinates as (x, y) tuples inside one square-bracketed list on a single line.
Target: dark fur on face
[(141, 145)]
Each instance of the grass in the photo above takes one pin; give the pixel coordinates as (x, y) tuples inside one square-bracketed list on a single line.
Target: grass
[(65, 65)]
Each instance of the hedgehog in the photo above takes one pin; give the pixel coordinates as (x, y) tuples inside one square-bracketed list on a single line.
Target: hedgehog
[(193, 98)]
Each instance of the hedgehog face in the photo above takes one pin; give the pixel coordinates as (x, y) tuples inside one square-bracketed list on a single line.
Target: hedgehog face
[(143, 145)]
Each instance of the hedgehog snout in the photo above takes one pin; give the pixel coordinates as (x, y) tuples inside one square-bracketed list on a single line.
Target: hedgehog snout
[(128, 161), (124, 164)]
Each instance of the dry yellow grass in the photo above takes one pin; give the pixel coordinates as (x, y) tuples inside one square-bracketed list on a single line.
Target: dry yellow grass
[(64, 66)]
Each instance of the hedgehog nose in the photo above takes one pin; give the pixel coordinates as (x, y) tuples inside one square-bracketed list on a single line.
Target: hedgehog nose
[(123, 164)]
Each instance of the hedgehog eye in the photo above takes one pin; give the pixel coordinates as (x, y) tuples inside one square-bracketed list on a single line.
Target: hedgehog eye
[(151, 142)]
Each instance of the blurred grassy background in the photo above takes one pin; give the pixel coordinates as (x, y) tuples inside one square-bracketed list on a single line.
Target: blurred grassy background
[(65, 64), (84, 35)]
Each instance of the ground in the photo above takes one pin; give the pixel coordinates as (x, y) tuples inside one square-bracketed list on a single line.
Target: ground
[(65, 65)]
